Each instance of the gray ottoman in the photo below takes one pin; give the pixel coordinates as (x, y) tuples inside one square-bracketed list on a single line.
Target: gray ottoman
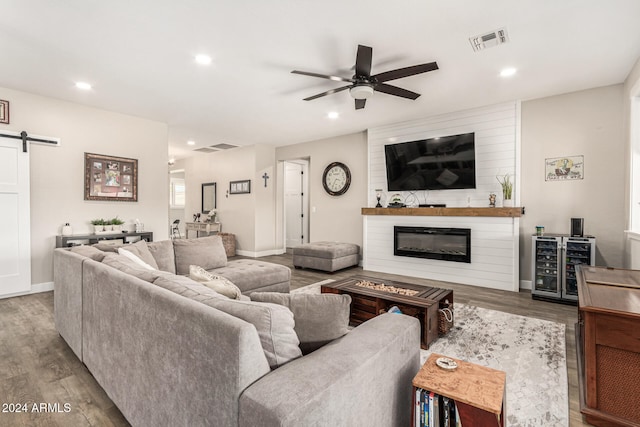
[(326, 256)]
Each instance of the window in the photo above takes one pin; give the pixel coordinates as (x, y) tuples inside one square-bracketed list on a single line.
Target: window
[(177, 192)]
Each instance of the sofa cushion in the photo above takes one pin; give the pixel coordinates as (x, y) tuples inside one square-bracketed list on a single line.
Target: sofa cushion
[(220, 284), (207, 252), (140, 250), (274, 323), (89, 251), (162, 252), (250, 274), (124, 264), (319, 319), (186, 287)]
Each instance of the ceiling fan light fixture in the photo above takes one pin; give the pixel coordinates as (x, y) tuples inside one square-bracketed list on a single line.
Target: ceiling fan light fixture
[(361, 92)]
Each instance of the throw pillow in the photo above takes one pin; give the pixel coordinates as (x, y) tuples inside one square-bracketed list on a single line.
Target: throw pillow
[(124, 264), (89, 251), (109, 247), (207, 252), (162, 252), (124, 252), (274, 323), (141, 250), (220, 284), (319, 319)]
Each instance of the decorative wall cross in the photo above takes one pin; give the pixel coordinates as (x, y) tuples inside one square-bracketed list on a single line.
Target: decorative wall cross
[(265, 177)]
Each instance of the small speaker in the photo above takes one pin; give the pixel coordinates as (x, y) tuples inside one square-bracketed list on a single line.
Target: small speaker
[(577, 227)]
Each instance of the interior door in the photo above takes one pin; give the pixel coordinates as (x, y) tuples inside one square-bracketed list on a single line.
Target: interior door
[(15, 244), (293, 204)]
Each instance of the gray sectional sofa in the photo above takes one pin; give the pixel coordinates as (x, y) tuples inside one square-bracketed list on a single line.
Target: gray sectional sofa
[(172, 352)]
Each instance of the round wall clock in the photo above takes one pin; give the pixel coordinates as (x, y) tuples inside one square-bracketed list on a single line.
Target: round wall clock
[(336, 178)]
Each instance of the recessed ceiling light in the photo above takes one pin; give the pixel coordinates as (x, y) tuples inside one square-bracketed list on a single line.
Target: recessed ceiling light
[(191, 143), (508, 72), (203, 59), (333, 115), (83, 85)]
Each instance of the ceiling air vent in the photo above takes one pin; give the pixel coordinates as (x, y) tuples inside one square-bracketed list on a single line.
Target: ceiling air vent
[(487, 40), (223, 146), (205, 150)]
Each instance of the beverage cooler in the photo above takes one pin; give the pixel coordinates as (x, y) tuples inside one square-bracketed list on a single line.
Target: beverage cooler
[(554, 265)]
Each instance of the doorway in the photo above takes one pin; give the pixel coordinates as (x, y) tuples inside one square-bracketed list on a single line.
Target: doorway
[(296, 202)]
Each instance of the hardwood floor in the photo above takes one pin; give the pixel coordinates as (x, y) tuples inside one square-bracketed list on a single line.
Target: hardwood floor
[(36, 365)]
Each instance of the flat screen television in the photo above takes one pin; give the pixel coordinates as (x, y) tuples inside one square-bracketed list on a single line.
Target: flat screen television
[(448, 162)]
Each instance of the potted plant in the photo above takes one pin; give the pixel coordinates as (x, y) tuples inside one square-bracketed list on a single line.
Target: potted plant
[(98, 225), (116, 224), (507, 190)]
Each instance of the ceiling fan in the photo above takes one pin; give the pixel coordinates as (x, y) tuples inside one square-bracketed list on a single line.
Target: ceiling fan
[(363, 84)]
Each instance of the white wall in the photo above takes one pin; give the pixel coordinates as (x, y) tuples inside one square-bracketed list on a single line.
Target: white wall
[(57, 173), (587, 123), (333, 218)]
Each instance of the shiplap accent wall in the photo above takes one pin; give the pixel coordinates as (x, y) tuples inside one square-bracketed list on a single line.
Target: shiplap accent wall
[(494, 241)]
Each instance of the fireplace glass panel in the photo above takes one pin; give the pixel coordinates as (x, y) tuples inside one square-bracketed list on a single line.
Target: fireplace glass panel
[(450, 244)]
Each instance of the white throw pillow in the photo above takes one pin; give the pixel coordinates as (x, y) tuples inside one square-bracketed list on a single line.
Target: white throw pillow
[(135, 258), (220, 284)]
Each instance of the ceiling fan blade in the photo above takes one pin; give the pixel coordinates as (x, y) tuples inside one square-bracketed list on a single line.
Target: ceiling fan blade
[(360, 103), (363, 61), (394, 90), (329, 92), (323, 76), (405, 72)]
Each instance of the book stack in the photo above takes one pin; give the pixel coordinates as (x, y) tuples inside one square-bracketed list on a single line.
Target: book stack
[(434, 410)]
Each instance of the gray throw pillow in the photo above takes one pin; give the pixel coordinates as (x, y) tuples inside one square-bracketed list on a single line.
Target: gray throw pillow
[(89, 251), (207, 252), (162, 252), (141, 250), (108, 247), (273, 322), (319, 319), (124, 264)]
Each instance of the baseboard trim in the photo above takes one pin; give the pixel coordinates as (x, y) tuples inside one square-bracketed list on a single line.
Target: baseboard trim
[(525, 284), (35, 289), (259, 254)]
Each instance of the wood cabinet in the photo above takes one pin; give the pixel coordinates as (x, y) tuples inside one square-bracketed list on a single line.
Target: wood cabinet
[(479, 392), (608, 345)]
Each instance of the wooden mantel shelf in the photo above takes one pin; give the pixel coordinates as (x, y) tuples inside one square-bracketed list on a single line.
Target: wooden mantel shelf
[(497, 212)]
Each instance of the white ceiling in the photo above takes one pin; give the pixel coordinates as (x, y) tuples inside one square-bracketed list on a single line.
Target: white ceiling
[(139, 57)]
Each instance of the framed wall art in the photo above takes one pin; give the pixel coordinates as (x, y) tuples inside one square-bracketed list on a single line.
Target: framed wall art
[(240, 187), (569, 168), (110, 178), (4, 112)]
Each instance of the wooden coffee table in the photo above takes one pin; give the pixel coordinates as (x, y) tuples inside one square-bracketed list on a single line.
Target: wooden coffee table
[(367, 303)]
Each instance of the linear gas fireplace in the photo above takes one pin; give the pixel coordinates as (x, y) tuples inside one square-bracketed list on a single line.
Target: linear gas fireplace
[(448, 244)]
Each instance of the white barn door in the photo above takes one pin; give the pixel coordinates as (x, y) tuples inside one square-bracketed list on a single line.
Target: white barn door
[(15, 241)]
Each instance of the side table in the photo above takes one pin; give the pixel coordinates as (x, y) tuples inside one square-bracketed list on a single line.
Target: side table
[(478, 392)]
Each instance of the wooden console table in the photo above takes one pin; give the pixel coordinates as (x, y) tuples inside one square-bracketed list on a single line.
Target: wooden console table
[(90, 239), (203, 227), (608, 345), (368, 303), (478, 392)]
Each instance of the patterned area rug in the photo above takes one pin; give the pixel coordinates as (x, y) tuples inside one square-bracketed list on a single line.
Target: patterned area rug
[(531, 352)]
